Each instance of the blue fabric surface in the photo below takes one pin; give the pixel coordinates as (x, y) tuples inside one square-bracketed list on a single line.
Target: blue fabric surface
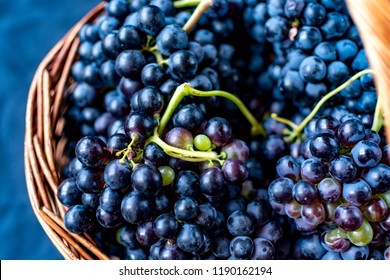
[(28, 30)]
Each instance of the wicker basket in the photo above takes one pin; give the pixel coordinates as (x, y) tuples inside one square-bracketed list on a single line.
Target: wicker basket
[(44, 147)]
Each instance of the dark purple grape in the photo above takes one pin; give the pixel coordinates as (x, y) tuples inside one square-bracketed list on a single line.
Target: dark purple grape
[(145, 234), (90, 200), (313, 170), (190, 238), (186, 209), (218, 130), (236, 149), (139, 125), (91, 180), (206, 216), (220, 247), (375, 210), (189, 117), (343, 169), (280, 190), (289, 167), (68, 193), (78, 219), (127, 236), (329, 190), (351, 132), (241, 247), (153, 154), (263, 249), (91, 151), (356, 253), (348, 217), (171, 251), (149, 100), (366, 153), (378, 178), (151, 19), (212, 182), (129, 63), (240, 223), (324, 146), (110, 200), (108, 219), (183, 64), (171, 38), (260, 210), (117, 174), (235, 171), (135, 208), (327, 124), (146, 179), (187, 183), (357, 192), (304, 192)]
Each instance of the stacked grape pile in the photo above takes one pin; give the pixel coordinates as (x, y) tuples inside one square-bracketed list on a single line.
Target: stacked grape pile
[(176, 149)]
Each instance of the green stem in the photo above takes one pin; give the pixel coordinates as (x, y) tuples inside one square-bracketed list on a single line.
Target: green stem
[(257, 128), (185, 90), (200, 9), (195, 156), (185, 3), (284, 121), (378, 117), (176, 98), (297, 130)]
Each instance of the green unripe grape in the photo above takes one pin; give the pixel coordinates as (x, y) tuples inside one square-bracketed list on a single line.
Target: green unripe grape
[(202, 142), (168, 175), (362, 236)]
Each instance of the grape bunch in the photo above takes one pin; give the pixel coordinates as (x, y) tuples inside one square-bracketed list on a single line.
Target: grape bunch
[(177, 148)]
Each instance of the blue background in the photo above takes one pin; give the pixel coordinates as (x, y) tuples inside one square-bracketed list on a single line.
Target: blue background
[(28, 30)]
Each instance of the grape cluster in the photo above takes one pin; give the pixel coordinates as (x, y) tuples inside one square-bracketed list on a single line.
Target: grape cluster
[(175, 144)]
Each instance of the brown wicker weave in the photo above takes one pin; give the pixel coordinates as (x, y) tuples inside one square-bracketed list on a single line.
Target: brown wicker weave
[(44, 148)]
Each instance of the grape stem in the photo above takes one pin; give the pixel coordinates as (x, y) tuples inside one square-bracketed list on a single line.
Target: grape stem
[(297, 129), (188, 155), (198, 12), (185, 89), (186, 3), (378, 117)]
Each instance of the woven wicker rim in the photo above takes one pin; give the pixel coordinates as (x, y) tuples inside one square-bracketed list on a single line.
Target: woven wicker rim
[(44, 147)]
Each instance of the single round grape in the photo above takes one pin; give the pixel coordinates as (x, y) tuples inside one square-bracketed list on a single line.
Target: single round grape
[(187, 183), (313, 213), (348, 217), (236, 149), (91, 151), (90, 200), (206, 216), (263, 249), (153, 154), (240, 223), (304, 192), (329, 190), (357, 192), (289, 167), (68, 193), (351, 132), (293, 209), (78, 219), (91, 180), (343, 169), (186, 209), (179, 137), (189, 117), (313, 170), (190, 238), (272, 231), (135, 208), (145, 234), (235, 171), (212, 182), (324, 146), (202, 142), (218, 130), (168, 175), (336, 240), (366, 153), (220, 247), (260, 210), (146, 179), (241, 247), (117, 174), (375, 210), (110, 200), (108, 219), (280, 190), (378, 178), (126, 236), (171, 251), (151, 19), (129, 63)]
